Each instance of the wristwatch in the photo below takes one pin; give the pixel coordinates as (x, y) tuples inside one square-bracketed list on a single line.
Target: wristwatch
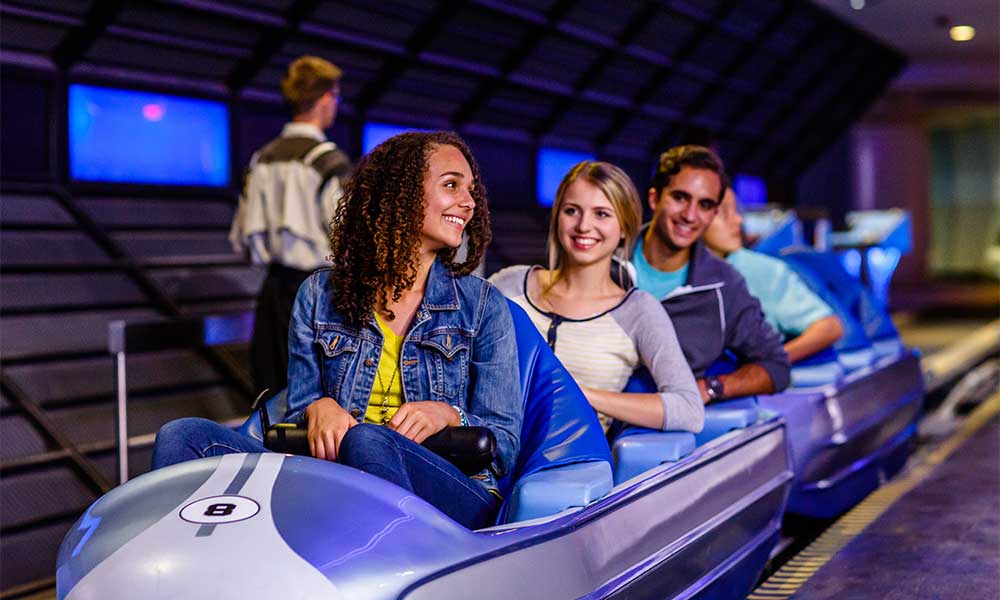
[(714, 388)]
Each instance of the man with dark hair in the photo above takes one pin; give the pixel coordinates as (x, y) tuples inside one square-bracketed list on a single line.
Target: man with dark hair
[(289, 194), (707, 300)]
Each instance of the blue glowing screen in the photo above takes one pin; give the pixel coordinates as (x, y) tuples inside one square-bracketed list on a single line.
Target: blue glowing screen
[(228, 329), (126, 136), (752, 191), (553, 164), (374, 134)]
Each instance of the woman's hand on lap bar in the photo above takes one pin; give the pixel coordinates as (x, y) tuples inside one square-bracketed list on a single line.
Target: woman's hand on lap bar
[(420, 420), (328, 422)]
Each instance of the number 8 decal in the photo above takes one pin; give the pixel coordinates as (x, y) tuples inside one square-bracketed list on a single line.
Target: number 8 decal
[(218, 510)]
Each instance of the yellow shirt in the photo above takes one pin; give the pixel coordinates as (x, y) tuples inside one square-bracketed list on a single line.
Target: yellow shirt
[(387, 391)]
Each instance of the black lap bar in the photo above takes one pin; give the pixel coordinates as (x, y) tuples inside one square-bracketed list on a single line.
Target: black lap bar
[(471, 449)]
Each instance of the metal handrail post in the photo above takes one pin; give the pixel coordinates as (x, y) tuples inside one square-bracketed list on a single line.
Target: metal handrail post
[(121, 417)]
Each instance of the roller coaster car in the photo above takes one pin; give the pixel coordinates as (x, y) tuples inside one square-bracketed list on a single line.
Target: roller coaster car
[(852, 411), (689, 521), (850, 414)]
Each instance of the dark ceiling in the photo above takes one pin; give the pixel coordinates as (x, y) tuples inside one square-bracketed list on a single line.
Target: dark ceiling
[(771, 82)]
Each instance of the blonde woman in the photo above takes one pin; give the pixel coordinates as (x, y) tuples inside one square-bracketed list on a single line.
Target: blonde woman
[(601, 332)]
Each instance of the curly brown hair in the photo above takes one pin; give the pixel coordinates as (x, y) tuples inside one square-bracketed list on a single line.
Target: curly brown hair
[(375, 233)]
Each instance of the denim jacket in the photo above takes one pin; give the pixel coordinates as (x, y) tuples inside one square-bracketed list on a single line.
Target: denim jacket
[(460, 349)]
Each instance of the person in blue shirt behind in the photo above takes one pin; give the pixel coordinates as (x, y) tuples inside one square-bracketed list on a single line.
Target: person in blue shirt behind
[(706, 298), (806, 322), (395, 342)]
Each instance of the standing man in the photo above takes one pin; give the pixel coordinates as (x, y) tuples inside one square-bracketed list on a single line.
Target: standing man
[(290, 191), (707, 300)]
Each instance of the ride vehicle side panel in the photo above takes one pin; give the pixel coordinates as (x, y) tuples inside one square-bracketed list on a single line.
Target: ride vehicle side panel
[(671, 533), (845, 439), (270, 525)]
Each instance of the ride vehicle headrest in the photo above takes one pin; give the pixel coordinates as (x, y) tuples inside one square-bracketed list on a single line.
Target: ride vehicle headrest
[(559, 427)]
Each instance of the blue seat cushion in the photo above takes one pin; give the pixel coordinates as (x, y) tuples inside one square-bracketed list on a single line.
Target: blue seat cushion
[(890, 346), (821, 368), (551, 491), (638, 450), (856, 359), (723, 417), (817, 375)]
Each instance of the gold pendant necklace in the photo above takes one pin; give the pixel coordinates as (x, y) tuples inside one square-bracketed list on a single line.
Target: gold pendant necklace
[(385, 393)]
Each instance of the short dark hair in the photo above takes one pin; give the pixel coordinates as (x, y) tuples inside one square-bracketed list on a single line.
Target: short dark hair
[(697, 157)]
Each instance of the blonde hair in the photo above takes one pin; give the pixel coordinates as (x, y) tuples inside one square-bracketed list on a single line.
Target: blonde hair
[(618, 188), (308, 78)]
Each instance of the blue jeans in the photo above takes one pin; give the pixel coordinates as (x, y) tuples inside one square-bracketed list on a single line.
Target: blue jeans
[(371, 448)]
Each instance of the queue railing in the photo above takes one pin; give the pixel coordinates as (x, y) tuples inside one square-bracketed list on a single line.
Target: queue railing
[(156, 335)]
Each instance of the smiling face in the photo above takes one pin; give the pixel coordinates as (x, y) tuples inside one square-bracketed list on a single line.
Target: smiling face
[(587, 227), (685, 207), (724, 234), (448, 202)]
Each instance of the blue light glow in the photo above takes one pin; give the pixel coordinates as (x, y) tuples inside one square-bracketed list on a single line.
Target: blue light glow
[(553, 164), (374, 134), (751, 191), (851, 259), (882, 263), (228, 329), (125, 136)]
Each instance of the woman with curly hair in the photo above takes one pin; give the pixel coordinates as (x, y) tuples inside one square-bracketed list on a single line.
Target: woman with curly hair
[(600, 331), (394, 342)]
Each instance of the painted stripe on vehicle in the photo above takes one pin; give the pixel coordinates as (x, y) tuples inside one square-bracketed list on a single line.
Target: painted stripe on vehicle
[(247, 558), (234, 487)]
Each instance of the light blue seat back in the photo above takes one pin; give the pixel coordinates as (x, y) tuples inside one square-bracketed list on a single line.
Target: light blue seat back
[(726, 415), (824, 274), (559, 429)]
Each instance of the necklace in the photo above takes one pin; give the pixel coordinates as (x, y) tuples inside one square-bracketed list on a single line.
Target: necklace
[(385, 393)]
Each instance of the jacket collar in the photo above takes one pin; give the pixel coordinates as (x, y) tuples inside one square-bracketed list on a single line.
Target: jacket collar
[(299, 129), (704, 268), (441, 292)]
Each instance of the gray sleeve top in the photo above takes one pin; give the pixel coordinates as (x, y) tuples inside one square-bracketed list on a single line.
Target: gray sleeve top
[(648, 325), (603, 351)]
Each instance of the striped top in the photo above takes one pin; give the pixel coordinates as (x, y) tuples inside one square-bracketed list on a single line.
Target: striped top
[(603, 351)]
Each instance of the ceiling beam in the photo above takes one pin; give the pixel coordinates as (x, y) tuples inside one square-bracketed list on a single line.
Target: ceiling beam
[(661, 74), (269, 43), (826, 33), (487, 88), (804, 131), (719, 85), (423, 34), (79, 40), (813, 36), (632, 29), (871, 82)]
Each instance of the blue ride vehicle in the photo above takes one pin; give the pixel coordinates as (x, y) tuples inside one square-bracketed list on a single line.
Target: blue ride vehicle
[(700, 523), (662, 515)]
